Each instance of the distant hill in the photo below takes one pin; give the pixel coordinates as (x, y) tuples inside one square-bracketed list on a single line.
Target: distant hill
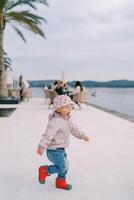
[(41, 83), (113, 83), (87, 83)]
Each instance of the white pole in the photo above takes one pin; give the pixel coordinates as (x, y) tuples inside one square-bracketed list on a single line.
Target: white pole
[(64, 76)]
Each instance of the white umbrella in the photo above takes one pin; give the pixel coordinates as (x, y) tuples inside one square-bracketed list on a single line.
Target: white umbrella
[(64, 76)]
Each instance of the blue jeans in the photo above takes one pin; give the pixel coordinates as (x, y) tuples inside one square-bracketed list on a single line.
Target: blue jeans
[(59, 158)]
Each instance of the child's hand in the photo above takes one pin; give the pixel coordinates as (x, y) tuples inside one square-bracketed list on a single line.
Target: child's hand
[(86, 138), (40, 151)]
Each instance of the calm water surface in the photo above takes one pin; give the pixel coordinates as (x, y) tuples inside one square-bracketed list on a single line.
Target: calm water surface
[(116, 99)]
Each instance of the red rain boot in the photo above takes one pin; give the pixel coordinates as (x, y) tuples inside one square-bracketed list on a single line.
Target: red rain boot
[(62, 184), (43, 174)]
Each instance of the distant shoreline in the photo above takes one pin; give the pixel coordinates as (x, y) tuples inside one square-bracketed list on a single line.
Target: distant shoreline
[(88, 83), (118, 114)]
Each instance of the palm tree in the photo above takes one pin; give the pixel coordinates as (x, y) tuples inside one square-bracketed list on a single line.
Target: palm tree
[(7, 62), (24, 18)]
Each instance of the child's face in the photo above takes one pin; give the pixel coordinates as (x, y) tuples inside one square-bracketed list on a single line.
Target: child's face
[(66, 110)]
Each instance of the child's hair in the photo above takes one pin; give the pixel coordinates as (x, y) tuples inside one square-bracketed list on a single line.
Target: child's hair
[(78, 83), (49, 87), (55, 83)]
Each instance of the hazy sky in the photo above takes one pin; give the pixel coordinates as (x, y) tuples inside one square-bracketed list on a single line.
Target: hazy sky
[(90, 39)]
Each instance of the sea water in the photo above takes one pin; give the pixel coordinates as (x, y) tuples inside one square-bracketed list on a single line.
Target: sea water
[(115, 99)]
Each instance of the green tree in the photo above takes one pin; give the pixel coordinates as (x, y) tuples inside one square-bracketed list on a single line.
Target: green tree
[(25, 18)]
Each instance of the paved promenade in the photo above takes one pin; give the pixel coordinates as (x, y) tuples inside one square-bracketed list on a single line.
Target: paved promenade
[(100, 170)]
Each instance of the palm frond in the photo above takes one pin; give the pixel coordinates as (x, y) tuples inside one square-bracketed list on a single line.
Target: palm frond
[(3, 3), (36, 29), (37, 19), (7, 66), (6, 62), (43, 2), (14, 3), (28, 20), (24, 17), (21, 35)]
